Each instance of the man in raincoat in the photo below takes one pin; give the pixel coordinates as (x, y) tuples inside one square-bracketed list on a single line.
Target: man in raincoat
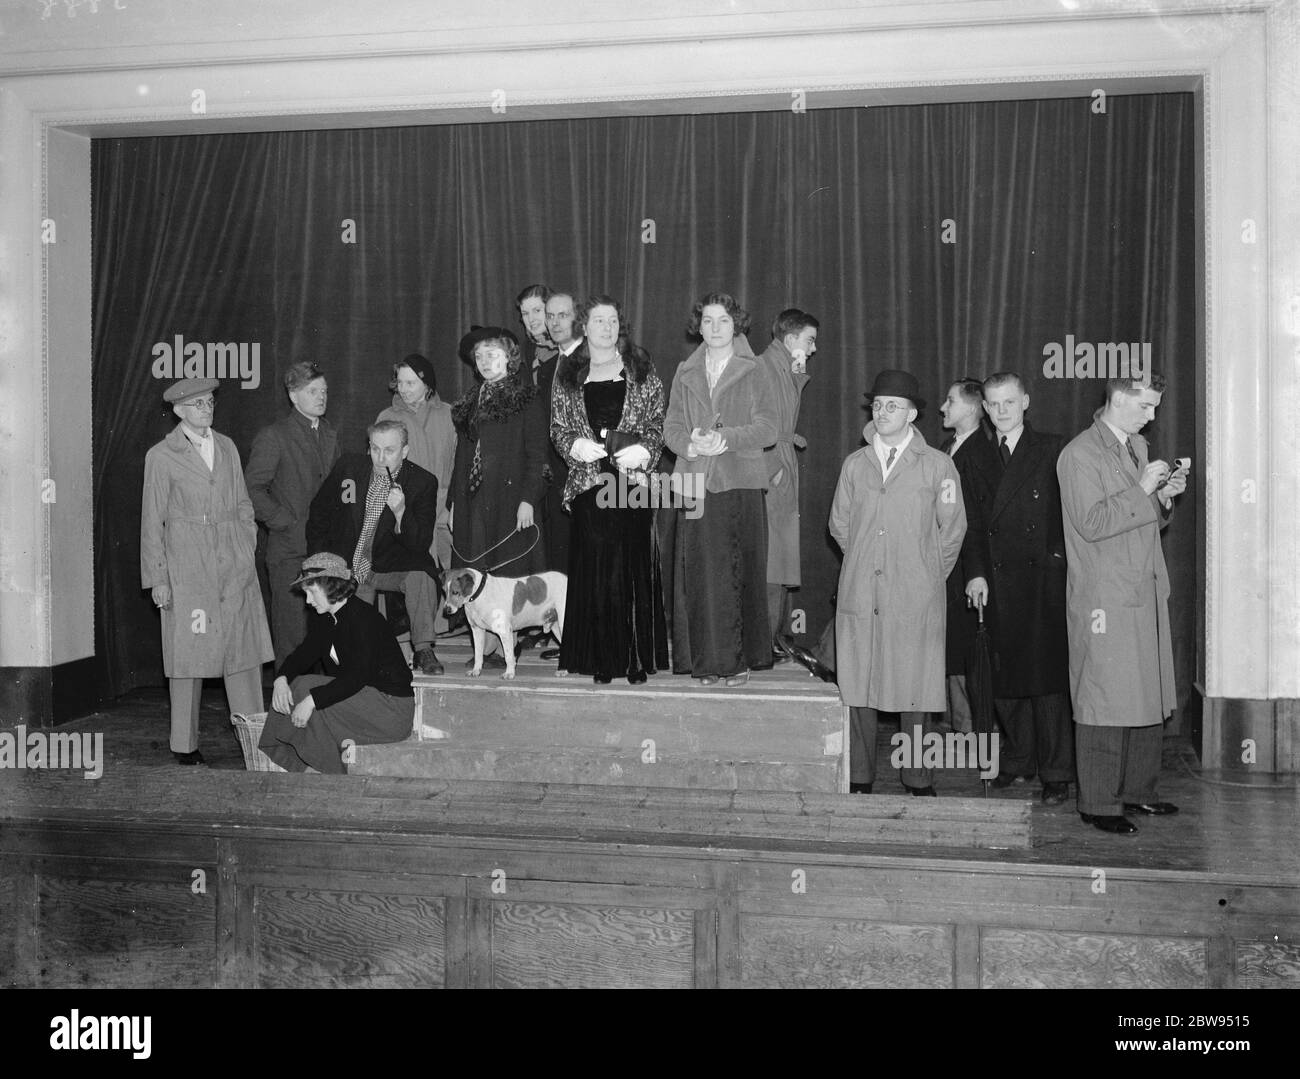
[(1115, 501), (898, 516), (197, 541)]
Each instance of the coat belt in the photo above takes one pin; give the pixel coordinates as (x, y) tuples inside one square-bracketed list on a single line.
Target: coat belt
[(207, 518)]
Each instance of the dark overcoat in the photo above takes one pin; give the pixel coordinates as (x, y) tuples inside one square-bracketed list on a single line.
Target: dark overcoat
[(783, 467), (1024, 562), (338, 513), (980, 469), (286, 467), (512, 428)]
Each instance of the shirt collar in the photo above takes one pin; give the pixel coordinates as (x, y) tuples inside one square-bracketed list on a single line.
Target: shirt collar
[(1012, 437), (1120, 436)]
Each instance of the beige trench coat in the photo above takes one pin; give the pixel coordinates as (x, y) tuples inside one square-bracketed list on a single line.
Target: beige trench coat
[(901, 538), (1117, 589), (197, 535)]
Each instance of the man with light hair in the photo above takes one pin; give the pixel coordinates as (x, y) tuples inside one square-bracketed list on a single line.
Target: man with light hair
[(380, 514), (289, 461), (1115, 502)]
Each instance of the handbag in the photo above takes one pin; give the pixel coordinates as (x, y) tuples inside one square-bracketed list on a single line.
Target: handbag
[(616, 441)]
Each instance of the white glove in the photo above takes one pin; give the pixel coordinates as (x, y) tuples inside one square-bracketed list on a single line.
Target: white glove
[(632, 458), (587, 450)]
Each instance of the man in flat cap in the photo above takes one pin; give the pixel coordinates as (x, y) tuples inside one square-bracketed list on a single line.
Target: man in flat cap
[(197, 542), (899, 518), (288, 463)]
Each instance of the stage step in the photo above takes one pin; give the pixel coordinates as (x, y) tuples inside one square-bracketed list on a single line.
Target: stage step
[(783, 731)]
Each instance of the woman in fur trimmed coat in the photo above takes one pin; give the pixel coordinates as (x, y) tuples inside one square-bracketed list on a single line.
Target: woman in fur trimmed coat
[(607, 418), (496, 482)]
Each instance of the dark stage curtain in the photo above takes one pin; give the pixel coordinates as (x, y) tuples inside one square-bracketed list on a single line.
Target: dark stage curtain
[(1063, 221)]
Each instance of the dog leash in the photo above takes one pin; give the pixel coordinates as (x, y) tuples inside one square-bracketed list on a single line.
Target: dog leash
[(470, 561)]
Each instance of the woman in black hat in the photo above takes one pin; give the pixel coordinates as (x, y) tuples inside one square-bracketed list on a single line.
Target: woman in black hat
[(496, 483), (366, 693)]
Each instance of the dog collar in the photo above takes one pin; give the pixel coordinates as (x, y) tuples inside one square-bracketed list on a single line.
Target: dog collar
[(482, 583)]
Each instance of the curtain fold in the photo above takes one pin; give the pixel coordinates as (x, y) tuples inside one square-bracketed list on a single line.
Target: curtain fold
[(1062, 222)]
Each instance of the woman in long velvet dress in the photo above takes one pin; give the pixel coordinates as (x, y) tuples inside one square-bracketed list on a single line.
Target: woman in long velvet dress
[(607, 415), (721, 414), (496, 482)]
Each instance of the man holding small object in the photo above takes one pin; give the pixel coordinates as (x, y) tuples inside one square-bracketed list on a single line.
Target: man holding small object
[(380, 514), (1115, 502)]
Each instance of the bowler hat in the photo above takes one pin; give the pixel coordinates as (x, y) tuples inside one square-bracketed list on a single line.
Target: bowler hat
[(323, 565), (423, 369), (897, 384), (468, 343), (187, 388)]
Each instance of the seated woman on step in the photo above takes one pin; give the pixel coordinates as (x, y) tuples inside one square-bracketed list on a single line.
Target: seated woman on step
[(366, 695)]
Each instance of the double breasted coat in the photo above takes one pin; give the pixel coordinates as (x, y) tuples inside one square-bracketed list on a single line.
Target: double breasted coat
[(901, 537), (783, 467), (197, 535), (980, 469), (1023, 558), (1121, 656)]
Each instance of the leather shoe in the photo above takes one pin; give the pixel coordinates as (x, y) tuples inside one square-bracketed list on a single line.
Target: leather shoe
[(1055, 794), (1117, 825), (492, 659), (707, 679), (1151, 809), (859, 788), (1004, 779), (191, 758), (737, 679), (602, 679), (636, 678), (814, 665), (922, 792), (549, 654), (426, 661)]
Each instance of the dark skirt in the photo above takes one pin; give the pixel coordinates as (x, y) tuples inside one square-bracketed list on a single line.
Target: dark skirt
[(614, 613), (720, 616), (368, 717)]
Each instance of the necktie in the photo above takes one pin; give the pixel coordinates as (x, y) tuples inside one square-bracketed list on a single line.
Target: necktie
[(1004, 451), (1132, 454), (889, 463), (948, 445)]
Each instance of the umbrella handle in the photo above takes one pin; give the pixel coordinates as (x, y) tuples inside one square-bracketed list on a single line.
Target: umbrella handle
[(979, 606)]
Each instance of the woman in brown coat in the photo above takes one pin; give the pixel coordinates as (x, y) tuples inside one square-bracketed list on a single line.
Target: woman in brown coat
[(721, 414)]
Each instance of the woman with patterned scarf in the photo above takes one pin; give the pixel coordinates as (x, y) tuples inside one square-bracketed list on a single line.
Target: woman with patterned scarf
[(496, 482)]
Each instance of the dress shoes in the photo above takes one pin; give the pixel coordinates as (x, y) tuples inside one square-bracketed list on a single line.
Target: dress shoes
[(737, 679), (636, 678), (708, 680), (1004, 779), (859, 788), (922, 792), (549, 654), (492, 659), (1151, 809), (189, 759), (426, 661), (782, 650), (1055, 794), (814, 665), (1113, 824), (602, 679)]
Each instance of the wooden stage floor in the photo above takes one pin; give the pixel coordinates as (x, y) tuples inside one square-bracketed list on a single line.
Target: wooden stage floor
[(1226, 824), (382, 881)]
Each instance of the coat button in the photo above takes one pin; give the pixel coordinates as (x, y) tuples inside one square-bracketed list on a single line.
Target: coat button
[(877, 573), (880, 531), (875, 610)]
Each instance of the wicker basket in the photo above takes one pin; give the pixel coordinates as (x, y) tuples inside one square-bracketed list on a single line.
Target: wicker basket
[(249, 729)]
